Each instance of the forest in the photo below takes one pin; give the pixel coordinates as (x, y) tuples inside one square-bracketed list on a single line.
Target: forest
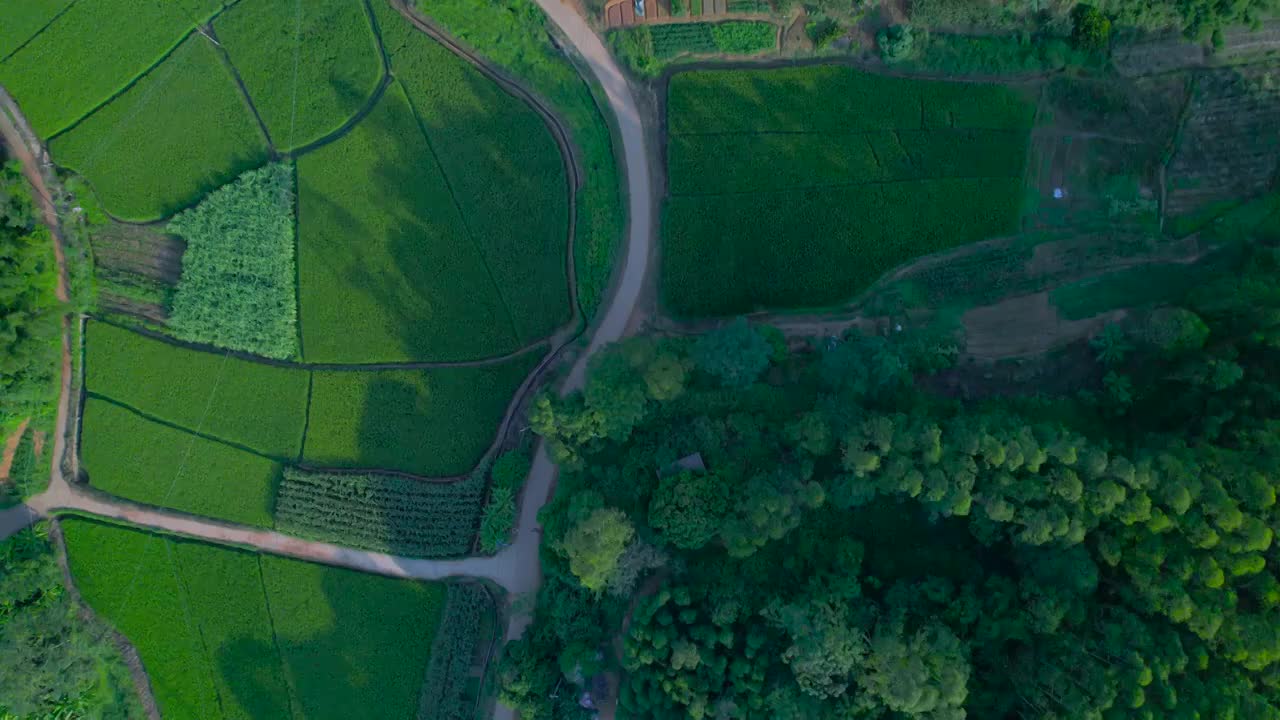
[(745, 529)]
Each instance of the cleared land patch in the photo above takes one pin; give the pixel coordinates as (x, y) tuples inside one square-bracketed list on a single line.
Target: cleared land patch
[(77, 64), (226, 633), (503, 168), (180, 131), (386, 267), (260, 406), (804, 185), (386, 513), (309, 67), (137, 459), (428, 422)]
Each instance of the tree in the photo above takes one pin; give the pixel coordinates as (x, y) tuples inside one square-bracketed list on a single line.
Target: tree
[(1090, 28), (595, 544), (1111, 345), (736, 353), (689, 508), (897, 43), (926, 672), (824, 649)]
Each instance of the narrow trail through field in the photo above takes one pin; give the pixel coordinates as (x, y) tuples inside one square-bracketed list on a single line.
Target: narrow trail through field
[(517, 567)]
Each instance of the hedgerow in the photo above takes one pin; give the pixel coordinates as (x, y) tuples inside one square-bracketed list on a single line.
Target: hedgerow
[(353, 645), (444, 692), (429, 422), (127, 455), (238, 272), (386, 513), (75, 64), (307, 66), (513, 34), (414, 287), (504, 171), (227, 633), (261, 406), (179, 132)]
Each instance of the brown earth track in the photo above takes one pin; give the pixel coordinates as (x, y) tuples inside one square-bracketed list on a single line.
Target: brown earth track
[(11, 448)]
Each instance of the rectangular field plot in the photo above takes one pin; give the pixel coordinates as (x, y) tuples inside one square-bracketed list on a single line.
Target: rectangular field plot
[(799, 187), (504, 171), (23, 20), (401, 516), (229, 634), (387, 270), (427, 422), (90, 52), (252, 404), (147, 462), (307, 66), (182, 130)]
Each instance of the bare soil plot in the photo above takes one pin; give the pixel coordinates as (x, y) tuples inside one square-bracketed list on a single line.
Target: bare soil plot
[(139, 250), (1229, 147), (1025, 326)]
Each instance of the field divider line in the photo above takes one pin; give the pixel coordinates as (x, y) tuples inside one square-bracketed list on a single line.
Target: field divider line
[(294, 711), (252, 107), (453, 195), (198, 633), (332, 367), (849, 133), (39, 31), (837, 186)]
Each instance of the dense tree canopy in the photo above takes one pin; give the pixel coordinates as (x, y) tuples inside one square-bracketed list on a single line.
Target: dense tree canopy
[(861, 548), (28, 303)]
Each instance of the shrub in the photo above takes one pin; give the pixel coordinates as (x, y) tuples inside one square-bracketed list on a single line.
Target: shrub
[(897, 43), (508, 474), (386, 513), (237, 286)]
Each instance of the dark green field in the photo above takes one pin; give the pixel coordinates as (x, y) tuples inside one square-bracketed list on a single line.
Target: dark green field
[(799, 187)]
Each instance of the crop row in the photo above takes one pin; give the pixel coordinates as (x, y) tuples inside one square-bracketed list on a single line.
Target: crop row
[(807, 248), (835, 99), (709, 164), (380, 512), (444, 692), (226, 633)]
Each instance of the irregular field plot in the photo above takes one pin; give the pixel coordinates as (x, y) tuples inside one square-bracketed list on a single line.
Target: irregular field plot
[(342, 644), (179, 132), (387, 270), (23, 20), (427, 422), (307, 75), (147, 462), (799, 187), (91, 52), (504, 170), (402, 516), (260, 406)]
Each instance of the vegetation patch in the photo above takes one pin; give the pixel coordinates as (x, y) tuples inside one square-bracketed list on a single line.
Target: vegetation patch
[(385, 513), (226, 633), (447, 692), (237, 286), (774, 173), (127, 455), (1128, 288), (514, 35), (435, 422), (178, 132), (503, 169), (308, 67), (649, 48), (260, 406), (414, 286), (76, 64), (54, 656)]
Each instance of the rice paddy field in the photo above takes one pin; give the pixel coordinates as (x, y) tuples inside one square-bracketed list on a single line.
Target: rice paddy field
[(773, 173), (228, 633)]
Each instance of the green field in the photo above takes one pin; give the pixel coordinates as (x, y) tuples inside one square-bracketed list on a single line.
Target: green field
[(1132, 287), (504, 171), (91, 52), (127, 455), (427, 422), (24, 20), (259, 406), (227, 633), (775, 178), (386, 267), (179, 132), (309, 67)]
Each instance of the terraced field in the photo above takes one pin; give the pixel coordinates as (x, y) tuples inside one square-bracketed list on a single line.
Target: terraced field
[(773, 175)]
